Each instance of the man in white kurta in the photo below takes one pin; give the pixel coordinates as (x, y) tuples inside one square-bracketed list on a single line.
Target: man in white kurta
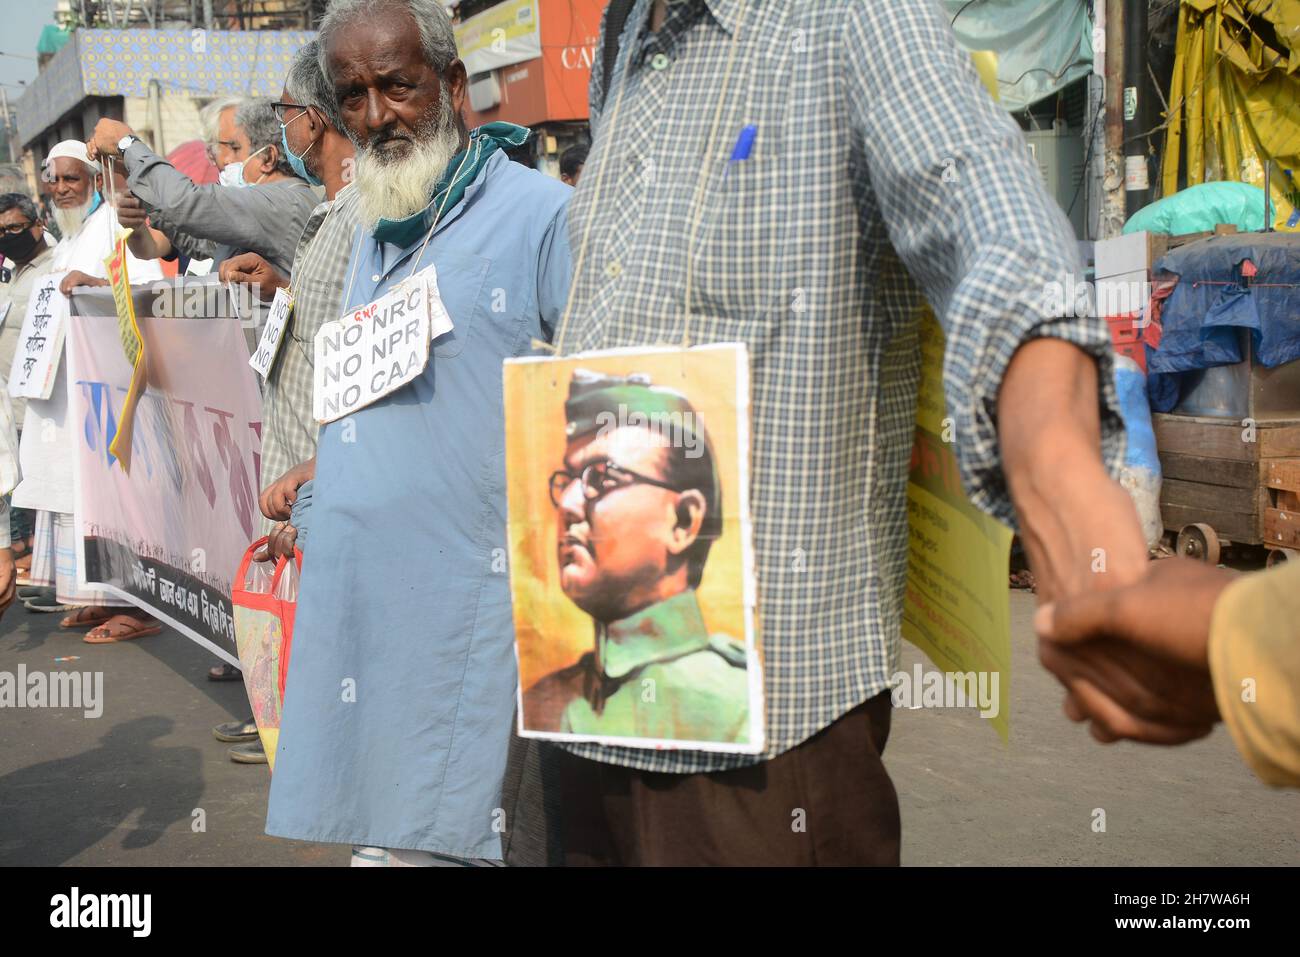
[(48, 446)]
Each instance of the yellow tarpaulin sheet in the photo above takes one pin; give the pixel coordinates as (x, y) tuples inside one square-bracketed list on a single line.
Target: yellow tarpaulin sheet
[(1235, 99)]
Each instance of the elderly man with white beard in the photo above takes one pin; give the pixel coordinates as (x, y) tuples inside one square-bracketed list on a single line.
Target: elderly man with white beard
[(401, 685), (47, 450)]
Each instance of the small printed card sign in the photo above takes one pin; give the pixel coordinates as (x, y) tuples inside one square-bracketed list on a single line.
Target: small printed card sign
[(40, 342), (377, 348), (277, 321)]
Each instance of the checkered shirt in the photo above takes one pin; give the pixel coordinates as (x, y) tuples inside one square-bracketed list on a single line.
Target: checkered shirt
[(882, 174), (319, 272)]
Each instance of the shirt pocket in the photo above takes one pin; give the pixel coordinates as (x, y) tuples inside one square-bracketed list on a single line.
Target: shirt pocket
[(737, 250), (460, 284), (315, 301)]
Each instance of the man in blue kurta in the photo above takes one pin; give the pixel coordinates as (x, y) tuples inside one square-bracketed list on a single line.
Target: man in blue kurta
[(401, 685)]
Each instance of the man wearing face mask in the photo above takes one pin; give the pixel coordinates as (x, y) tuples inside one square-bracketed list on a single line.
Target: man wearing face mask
[(267, 220), (27, 253), (322, 154)]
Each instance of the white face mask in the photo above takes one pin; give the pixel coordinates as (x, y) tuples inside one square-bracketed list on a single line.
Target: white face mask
[(232, 174)]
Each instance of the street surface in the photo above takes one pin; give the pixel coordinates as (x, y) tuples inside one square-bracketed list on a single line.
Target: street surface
[(123, 788)]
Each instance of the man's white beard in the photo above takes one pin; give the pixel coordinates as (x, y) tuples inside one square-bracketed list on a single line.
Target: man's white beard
[(401, 187), (71, 219)]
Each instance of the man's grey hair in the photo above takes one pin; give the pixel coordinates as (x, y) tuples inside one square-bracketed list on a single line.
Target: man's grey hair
[(436, 35), (306, 84), (210, 117), (22, 203), (256, 118)]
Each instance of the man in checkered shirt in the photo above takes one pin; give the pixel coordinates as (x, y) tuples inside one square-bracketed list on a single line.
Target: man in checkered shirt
[(881, 175)]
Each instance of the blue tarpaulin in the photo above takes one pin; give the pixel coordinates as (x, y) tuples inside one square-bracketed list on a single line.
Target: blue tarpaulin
[(1215, 297)]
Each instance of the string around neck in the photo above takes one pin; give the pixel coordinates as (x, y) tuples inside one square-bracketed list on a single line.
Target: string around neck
[(694, 211), (437, 218)]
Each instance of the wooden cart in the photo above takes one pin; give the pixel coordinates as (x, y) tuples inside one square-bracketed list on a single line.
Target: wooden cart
[(1230, 482)]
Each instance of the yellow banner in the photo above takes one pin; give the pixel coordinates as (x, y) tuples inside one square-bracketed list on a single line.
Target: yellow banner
[(499, 36), (956, 607), (132, 347)]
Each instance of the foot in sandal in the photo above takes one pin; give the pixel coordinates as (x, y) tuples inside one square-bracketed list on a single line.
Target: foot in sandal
[(122, 628), (88, 616)]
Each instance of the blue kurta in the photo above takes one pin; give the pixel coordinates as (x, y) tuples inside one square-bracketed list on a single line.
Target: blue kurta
[(404, 603)]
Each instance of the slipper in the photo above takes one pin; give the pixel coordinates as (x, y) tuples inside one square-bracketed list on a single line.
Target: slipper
[(33, 592), (121, 628), (87, 616), (225, 672)]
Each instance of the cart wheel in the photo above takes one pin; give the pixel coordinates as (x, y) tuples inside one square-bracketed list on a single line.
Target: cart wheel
[(1200, 542), (1280, 556)]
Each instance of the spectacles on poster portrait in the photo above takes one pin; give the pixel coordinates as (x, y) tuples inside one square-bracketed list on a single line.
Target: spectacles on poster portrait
[(599, 479)]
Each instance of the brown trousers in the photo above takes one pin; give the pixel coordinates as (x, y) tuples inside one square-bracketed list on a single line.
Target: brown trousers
[(828, 801)]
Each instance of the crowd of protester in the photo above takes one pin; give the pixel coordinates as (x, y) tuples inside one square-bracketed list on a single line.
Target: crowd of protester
[(364, 171)]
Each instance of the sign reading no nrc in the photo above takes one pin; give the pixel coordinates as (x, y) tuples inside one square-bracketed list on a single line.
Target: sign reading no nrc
[(376, 348)]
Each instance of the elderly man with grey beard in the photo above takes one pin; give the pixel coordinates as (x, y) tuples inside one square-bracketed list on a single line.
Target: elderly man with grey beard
[(47, 449), (395, 732)]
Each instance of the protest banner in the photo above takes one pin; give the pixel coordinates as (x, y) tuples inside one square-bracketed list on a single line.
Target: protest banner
[(956, 607), (40, 341), (119, 281), (169, 536)]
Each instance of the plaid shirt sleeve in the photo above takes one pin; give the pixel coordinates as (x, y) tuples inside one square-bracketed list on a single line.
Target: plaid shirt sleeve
[(969, 216)]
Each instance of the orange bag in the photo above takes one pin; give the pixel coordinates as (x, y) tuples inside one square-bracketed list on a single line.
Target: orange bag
[(264, 604)]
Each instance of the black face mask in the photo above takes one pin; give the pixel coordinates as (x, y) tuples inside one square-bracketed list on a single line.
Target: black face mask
[(19, 247)]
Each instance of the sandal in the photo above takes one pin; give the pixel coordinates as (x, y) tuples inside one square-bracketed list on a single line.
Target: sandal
[(88, 616), (225, 672), (121, 628)]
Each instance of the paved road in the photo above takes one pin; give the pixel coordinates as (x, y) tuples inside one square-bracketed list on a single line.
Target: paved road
[(123, 788)]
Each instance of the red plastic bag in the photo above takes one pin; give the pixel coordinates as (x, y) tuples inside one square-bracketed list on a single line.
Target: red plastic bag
[(264, 604)]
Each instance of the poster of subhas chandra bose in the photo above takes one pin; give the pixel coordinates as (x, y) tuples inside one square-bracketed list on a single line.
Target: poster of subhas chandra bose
[(631, 554)]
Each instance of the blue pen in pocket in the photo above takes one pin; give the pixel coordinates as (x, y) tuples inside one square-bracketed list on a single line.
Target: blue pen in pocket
[(744, 146)]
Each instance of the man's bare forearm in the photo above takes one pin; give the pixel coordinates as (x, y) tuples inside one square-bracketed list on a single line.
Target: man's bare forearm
[(147, 243), (1075, 522)]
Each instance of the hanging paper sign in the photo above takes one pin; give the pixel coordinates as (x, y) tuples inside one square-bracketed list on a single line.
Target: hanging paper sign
[(40, 341), (277, 320), (631, 551), (132, 347), (956, 607), (377, 348)]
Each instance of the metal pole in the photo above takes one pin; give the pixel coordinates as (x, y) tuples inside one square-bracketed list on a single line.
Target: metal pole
[(1137, 107), (1268, 176), (9, 136), (1112, 209)]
